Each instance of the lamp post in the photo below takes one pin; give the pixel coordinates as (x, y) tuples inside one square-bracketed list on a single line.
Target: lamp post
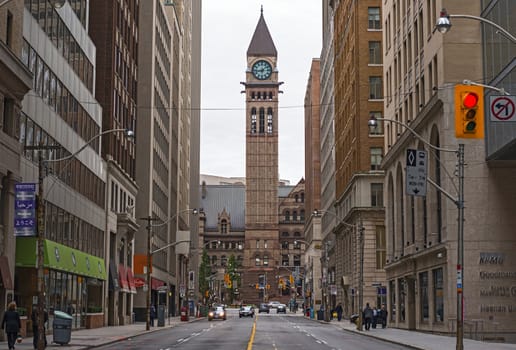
[(41, 221), (150, 252), (459, 202), (443, 24)]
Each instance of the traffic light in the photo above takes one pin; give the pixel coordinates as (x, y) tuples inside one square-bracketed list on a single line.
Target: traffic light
[(291, 278), (469, 112)]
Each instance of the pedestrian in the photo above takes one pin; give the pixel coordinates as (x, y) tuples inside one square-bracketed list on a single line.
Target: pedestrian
[(368, 316), (152, 315), (383, 316), (35, 331), (11, 324), (375, 317), (339, 310)]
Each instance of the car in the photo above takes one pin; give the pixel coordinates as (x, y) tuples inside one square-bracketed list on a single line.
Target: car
[(274, 304), (281, 308), (246, 311), (263, 308), (217, 312)]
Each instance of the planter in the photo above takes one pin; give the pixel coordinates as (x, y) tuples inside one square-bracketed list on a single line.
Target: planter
[(94, 320)]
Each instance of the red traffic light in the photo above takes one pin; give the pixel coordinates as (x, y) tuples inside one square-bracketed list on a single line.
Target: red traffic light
[(470, 100)]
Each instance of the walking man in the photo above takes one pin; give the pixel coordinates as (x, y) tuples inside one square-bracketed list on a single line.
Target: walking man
[(339, 310), (383, 316), (368, 316)]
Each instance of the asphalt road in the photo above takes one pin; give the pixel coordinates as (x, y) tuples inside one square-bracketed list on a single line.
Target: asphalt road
[(273, 332)]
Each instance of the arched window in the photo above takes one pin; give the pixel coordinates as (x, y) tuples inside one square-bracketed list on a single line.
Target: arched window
[(223, 226), (253, 95), (257, 260), (262, 121), (270, 95), (269, 120), (287, 215), (284, 234), (223, 260), (302, 214), (259, 95), (296, 197), (294, 215), (253, 120)]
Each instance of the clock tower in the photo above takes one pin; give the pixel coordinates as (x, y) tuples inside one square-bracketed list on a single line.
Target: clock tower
[(261, 254)]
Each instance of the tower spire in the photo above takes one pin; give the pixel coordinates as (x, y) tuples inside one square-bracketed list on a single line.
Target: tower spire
[(261, 11)]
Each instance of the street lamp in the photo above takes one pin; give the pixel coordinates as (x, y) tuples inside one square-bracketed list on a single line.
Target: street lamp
[(150, 252), (443, 24), (459, 202), (41, 221)]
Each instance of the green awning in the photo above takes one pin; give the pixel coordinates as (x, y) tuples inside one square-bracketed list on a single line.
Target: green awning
[(59, 257)]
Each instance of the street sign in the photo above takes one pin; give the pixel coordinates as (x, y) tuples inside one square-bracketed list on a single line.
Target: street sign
[(25, 209), (502, 108), (416, 172)]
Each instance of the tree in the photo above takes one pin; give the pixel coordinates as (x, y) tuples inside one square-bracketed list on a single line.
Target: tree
[(234, 276), (204, 274)]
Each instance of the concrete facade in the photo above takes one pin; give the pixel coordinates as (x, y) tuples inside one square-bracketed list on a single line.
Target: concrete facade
[(421, 68)]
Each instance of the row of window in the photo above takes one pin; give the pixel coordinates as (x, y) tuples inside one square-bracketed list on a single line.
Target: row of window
[(62, 38), (262, 95), (72, 172), (58, 97), (224, 260), (121, 200), (286, 234), (294, 216), (260, 129)]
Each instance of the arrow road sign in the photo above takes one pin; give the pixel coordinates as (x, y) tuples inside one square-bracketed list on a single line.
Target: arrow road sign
[(502, 108), (416, 172)]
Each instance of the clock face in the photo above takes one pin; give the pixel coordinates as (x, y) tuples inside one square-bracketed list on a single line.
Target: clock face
[(262, 70)]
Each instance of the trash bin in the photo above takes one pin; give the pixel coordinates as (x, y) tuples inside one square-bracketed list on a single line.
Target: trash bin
[(161, 315), (320, 315), (184, 314), (62, 327)]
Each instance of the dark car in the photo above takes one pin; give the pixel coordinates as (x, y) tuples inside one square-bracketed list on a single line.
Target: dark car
[(281, 308), (218, 313), (246, 311), (263, 308)]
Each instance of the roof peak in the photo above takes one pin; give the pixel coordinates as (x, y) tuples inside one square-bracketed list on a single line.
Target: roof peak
[(261, 42)]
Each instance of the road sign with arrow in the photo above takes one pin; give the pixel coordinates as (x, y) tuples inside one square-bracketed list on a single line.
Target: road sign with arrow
[(416, 172)]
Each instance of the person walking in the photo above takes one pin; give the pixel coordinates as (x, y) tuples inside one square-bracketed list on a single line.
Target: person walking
[(339, 310), (35, 331), (152, 315), (11, 324), (383, 316), (368, 316)]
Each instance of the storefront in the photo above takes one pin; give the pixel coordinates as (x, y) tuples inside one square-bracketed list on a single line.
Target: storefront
[(73, 280)]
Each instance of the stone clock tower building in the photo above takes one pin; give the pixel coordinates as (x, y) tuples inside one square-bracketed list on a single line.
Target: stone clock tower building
[(261, 253)]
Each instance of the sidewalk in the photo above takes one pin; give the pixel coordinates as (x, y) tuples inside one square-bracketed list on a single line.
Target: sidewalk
[(419, 340), (91, 338)]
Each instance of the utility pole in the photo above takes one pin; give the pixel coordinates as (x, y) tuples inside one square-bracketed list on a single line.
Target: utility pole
[(361, 275), (149, 219)]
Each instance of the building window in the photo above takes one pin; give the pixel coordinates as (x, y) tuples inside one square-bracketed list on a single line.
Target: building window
[(214, 260), (223, 226), (375, 88), (297, 234), (253, 120), (380, 247), (284, 234), (269, 120), (262, 121), (265, 260), (375, 52), (257, 260), (378, 130), (265, 244), (287, 215), (257, 244), (223, 260), (392, 306), (377, 195), (302, 215), (402, 291), (9, 29), (284, 259), (438, 294), (423, 292), (374, 18), (294, 215), (297, 245), (376, 158), (297, 260), (284, 245)]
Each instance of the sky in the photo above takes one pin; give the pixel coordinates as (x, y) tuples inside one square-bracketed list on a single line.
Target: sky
[(228, 26)]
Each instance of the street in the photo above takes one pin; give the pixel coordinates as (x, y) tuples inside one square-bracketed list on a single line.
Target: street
[(273, 331)]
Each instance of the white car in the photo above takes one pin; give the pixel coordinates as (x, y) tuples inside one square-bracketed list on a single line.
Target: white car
[(274, 304)]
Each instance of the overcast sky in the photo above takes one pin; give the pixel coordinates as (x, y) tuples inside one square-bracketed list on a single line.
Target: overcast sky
[(228, 26)]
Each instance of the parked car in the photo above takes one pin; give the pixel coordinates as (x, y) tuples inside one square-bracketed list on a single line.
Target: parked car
[(246, 311), (218, 312), (274, 304), (263, 308), (281, 308)]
